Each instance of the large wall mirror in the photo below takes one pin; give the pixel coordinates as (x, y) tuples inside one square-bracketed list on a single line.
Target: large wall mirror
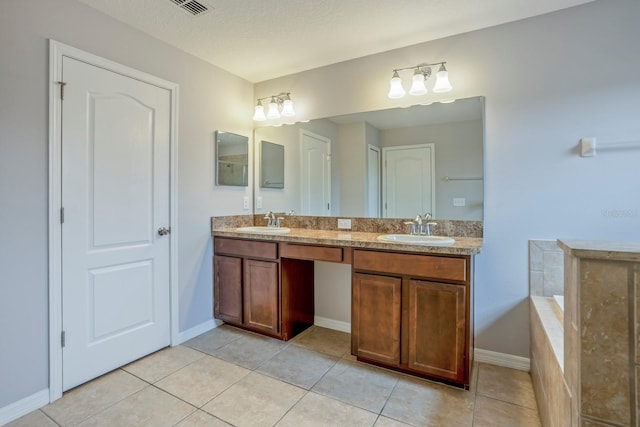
[(393, 163), (232, 159)]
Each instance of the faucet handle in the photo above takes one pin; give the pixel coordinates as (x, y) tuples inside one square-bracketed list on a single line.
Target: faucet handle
[(418, 219), (291, 212), (427, 216), (413, 226)]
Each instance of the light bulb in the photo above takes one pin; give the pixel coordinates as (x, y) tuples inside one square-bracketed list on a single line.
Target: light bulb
[(273, 109), (417, 86), (396, 90), (258, 115), (287, 107), (442, 81)]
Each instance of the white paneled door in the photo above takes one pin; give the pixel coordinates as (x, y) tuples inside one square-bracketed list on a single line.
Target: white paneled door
[(315, 173), (408, 181), (115, 241)]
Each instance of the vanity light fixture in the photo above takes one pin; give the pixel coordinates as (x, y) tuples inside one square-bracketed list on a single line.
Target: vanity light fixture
[(279, 105), (421, 73)]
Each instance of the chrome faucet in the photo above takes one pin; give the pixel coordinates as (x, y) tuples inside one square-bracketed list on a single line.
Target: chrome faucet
[(426, 225), (421, 225), (271, 219)]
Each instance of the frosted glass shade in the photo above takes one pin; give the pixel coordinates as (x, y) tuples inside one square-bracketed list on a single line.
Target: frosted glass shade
[(287, 108), (417, 85), (442, 81), (273, 110), (396, 90), (258, 114)]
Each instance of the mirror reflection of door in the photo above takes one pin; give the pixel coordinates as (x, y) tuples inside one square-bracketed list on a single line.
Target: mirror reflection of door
[(408, 181), (373, 181), (315, 174)]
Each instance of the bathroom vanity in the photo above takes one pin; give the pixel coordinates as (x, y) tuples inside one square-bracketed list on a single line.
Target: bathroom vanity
[(412, 305)]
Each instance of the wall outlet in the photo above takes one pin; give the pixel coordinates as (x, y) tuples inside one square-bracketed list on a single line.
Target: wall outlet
[(259, 202), (245, 203), (459, 201), (344, 224)]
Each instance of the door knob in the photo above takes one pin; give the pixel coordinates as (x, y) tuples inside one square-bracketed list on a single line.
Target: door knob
[(163, 231)]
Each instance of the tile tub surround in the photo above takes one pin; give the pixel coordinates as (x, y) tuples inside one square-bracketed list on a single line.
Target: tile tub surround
[(546, 268), (450, 228), (547, 361), (601, 329), (158, 390)]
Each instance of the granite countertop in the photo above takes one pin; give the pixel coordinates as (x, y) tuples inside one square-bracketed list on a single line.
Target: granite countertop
[(356, 239), (601, 249)]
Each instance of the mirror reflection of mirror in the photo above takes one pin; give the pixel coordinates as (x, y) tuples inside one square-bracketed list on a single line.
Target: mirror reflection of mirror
[(232, 159), (271, 165), (393, 163)]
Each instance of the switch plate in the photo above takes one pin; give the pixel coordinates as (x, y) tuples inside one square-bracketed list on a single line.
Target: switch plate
[(459, 201), (344, 224), (259, 202), (245, 203)]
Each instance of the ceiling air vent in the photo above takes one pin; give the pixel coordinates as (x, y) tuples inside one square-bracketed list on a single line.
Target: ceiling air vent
[(192, 6)]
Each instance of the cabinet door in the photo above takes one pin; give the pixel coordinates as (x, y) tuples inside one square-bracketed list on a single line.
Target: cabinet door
[(227, 289), (437, 329), (261, 296), (376, 317)]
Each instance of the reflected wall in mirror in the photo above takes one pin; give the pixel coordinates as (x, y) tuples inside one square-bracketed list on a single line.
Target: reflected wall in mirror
[(271, 165), (232, 159), (365, 184)]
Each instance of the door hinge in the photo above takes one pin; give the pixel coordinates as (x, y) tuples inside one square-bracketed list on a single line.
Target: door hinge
[(328, 206), (61, 215), (63, 340), (62, 85)]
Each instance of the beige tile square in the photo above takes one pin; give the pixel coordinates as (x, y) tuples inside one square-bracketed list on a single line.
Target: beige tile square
[(490, 413), (33, 419), (162, 363), (298, 366), (357, 384), (508, 385), (150, 407), (335, 343), (316, 410), (423, 403), (388, 422), (250, 350), (202, 419), (91, 398), (202, 380), (256, 400), (214, 339)]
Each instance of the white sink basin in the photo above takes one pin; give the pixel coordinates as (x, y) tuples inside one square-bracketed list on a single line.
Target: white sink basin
[(264, 230), (410, 239)]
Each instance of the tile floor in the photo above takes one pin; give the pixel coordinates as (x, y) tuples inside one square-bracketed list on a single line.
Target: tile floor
[(232, 377)]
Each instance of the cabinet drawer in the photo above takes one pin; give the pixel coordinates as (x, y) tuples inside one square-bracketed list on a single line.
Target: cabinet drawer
[(246, 248), (315, 253), (428, 266)]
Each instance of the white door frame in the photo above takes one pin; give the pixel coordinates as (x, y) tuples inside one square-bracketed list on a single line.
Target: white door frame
[(56, 52), (377, 184)]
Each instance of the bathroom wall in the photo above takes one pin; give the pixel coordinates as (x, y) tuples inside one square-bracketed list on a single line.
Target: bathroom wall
[(548, 81), (209, 99)]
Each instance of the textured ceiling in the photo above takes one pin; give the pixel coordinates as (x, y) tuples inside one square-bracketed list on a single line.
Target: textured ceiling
[(264, 39)]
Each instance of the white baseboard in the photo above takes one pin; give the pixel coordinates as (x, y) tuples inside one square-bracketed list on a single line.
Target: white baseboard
[(332, 324), (502, 359), (197, 330), (22, 407)]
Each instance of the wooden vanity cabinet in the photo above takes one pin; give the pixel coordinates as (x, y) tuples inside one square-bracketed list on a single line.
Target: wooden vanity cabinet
[(246, 284), (411, 312), (256, 289)]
